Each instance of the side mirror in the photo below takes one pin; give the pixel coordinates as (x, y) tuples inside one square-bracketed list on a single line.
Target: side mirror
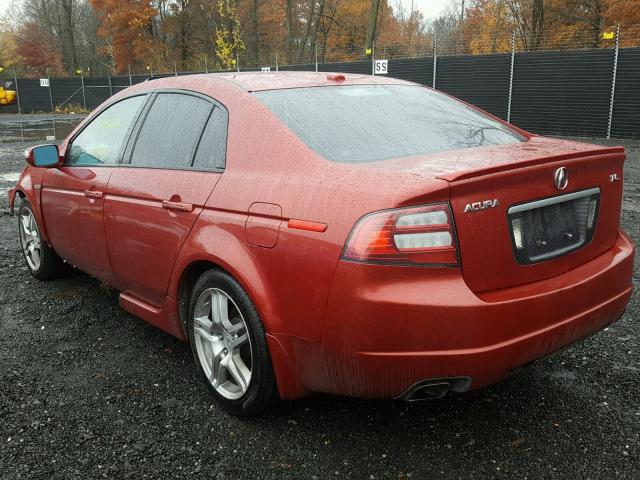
[(43, 156)]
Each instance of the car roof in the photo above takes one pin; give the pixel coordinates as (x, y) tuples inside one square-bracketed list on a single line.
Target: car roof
[(256, 81)]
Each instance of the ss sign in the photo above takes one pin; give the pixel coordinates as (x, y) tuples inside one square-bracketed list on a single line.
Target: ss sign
[(381, 67)]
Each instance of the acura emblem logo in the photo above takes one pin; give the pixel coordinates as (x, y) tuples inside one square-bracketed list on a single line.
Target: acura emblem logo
[(561, 178)]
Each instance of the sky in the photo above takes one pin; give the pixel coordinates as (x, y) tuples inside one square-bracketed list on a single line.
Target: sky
[(429, 8), (4, 4)]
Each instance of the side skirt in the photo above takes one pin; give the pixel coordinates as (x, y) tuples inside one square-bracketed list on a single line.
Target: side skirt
[(165, 318)]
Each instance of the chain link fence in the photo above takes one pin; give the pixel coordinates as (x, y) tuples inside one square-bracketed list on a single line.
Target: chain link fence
[(583, 84)]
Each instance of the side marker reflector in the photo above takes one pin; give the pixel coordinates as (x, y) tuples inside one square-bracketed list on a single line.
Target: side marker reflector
[(307, 225)]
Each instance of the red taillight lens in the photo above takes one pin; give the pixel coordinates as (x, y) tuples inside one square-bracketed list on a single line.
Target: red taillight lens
[(405, 236)]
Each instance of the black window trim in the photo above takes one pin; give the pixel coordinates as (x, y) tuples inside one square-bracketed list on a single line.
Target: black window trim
[(126, 138), (125, 158)]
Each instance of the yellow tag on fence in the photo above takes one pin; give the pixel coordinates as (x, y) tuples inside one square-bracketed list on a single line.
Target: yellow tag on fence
[(608, 35), (368, 51)]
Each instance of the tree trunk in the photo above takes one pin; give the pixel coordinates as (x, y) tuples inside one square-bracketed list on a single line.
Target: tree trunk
[(496, 30), (307, 31), (184, 33), (373, 24), (289, 28), (256, 36), (68, 40), (596, 22), (314, 38), (537, 24), (326, 30)]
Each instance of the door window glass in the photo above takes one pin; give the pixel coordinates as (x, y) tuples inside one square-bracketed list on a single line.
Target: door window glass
[(212, 148), (100, 141), (171, 131)]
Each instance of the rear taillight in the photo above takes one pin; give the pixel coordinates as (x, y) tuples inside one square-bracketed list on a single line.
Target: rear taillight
[(405, 236)]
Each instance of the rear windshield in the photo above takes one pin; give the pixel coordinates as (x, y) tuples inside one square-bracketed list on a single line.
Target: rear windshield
[(365, 123)]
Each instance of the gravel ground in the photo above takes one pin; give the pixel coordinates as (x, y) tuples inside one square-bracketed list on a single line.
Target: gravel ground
[(88, 391)]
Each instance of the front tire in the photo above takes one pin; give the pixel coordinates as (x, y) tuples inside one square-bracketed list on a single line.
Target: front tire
[(229, 346), (43, 262)]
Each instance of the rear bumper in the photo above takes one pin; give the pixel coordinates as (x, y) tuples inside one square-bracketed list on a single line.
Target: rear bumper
[(388, 328)]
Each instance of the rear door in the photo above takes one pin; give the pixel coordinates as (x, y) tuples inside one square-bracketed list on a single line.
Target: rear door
[(72, 196), (173, 162)]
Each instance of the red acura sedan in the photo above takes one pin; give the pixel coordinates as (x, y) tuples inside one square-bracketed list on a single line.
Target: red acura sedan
[(349, 234)]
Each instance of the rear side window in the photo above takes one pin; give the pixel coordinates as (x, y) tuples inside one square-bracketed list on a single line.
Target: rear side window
[(100, 141), (365, 123), (212, 149), (171, 131)]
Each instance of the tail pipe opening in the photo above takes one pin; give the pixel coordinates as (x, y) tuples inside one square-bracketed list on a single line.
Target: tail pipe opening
[(434, 388)]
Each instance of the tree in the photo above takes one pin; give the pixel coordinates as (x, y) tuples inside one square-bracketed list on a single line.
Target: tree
[(289, 28), (255, 24), (9, 57), (126, 28), (488, 27), (59, 18), (373, 24), (229, 43), (448, 29), (38, 50), (530, 21)]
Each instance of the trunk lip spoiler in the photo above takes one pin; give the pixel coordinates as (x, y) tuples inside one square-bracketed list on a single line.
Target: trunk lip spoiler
[(544, 159)]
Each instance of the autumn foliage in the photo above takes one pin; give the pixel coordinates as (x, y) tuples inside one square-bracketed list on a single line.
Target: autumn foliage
[(549, 24), (124, 27), (162, 35), (37, 49)]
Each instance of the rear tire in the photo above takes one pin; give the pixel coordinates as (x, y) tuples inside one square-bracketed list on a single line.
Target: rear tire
[(229, 346), (43, 262)]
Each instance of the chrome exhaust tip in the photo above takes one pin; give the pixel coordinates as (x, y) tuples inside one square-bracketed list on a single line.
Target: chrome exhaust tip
[(435, 388)]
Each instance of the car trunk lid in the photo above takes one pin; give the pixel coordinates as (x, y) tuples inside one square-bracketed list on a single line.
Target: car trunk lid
[(524, 221), (491, 187)]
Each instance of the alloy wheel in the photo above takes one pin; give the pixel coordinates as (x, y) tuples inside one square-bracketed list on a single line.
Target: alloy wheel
[(222, 343), (30, 239)]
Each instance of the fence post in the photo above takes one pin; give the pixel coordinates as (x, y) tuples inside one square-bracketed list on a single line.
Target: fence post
[(50, 94), (175, 69), (316, 54), (435, 60), (206, 65), (15, 78), (238, 61), (513, 57), (613, 80), (110, 84), (276, 61), (84, 97), (129, 68), (373, 59)]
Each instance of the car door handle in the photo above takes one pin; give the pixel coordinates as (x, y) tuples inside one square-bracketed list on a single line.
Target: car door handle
[(93, 194), (183, 207)]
